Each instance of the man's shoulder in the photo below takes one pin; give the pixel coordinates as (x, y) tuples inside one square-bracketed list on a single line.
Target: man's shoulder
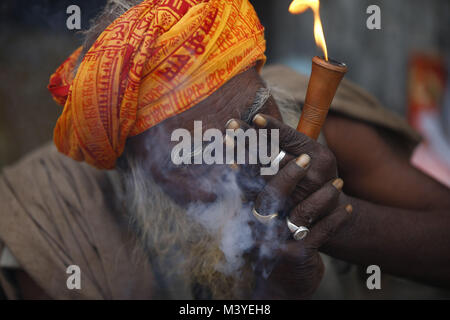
[(351, 100), (45, 168), (48, 155), (44, 178), (56, 212)]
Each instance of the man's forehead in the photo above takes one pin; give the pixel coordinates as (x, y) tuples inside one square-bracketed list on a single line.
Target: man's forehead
[(232, 100)]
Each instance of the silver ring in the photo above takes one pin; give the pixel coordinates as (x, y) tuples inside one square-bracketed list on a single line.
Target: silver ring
[(278, 159), (264, 219), (292, 227), (299, 232)]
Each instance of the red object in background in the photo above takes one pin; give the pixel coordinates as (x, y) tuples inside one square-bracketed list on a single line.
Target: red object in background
[(427, 85), (427, 82), (427, 161)]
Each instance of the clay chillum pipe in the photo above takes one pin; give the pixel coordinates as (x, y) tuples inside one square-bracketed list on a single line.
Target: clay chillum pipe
[(323, 83)]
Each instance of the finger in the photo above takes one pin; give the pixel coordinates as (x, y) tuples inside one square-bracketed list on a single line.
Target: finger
[(277, 190), (244, 142), (235, 124), (248, 173), (291, 140), (326, 228), (243, 154), (317, 205)]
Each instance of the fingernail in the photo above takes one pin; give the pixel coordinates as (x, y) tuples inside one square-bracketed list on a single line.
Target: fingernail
[(229, 141), (349, 208), (260, 121), (232, 124), (338, 184), (303, 161)]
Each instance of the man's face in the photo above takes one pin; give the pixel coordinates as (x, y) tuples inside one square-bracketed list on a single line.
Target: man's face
[(196, 182)]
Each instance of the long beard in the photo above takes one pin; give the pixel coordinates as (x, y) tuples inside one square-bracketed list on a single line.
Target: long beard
[(195, 252)]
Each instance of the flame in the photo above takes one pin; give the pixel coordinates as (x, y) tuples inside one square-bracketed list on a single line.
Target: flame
[(300, 6)]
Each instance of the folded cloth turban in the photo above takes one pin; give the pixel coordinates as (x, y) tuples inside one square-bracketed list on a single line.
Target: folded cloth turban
[(157, 60)]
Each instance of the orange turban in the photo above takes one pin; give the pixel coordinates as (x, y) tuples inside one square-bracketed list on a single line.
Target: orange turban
[(157, 60)]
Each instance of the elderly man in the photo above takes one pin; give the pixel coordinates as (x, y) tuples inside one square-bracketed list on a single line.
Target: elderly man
[(149, 228)]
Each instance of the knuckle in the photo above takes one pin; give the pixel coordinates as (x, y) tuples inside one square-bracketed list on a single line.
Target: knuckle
[(291, 171), (303, 214), (307, 209), (325, 165), (269, 200), (325, 155), (328, 229), (329, 196), (289, 136), (306, 254), (286, 180), (300, 220)]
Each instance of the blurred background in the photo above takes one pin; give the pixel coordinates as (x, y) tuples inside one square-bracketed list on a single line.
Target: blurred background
[(404, 64)]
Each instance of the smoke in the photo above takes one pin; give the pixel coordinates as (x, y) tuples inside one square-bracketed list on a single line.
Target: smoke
[(227, 219), (217, 243)]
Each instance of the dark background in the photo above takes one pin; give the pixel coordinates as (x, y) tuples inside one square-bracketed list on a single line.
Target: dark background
[(34, 40)]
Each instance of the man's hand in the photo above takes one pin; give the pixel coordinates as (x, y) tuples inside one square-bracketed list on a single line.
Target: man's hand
[(299, 268), (323, 167), (305, 190)]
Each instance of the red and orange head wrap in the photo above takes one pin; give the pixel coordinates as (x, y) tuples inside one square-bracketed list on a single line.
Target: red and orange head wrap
[(157, 60)]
